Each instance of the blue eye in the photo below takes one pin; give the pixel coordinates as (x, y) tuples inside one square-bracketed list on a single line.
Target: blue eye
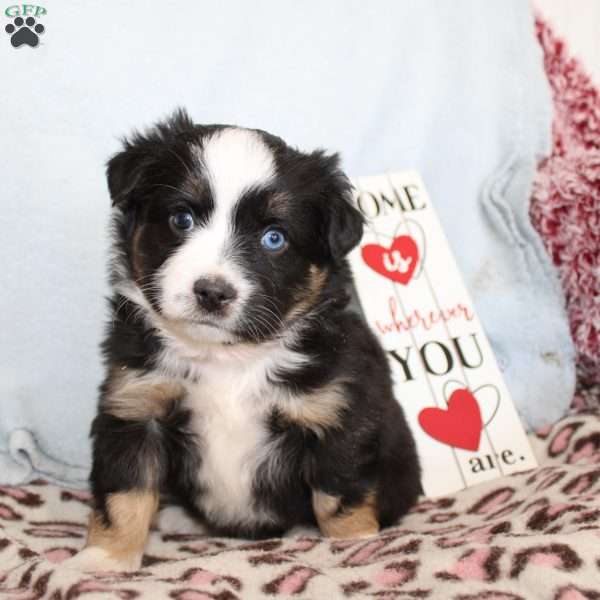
[(273, 240), (182, 220)]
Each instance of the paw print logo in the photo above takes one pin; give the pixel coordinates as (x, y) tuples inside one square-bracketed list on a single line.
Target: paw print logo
[(24, 32)]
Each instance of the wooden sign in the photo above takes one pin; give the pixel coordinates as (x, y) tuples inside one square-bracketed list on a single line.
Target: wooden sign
[(446, 378)]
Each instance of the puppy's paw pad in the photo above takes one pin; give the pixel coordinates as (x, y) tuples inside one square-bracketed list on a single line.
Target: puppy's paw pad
[(93, 559)]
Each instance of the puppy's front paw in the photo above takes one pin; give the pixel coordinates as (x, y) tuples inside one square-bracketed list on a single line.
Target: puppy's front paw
[(95, 559)]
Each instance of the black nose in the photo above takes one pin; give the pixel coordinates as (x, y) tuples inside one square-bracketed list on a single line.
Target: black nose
[(214, 293)]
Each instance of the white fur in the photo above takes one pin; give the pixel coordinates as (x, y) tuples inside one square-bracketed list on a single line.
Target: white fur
[(234, 161), (173, 519), (230, 402)]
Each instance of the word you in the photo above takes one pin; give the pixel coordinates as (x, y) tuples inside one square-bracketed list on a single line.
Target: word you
[(438, 357)]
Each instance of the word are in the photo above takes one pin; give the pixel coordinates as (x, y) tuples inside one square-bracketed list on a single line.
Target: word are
[(487, 462)]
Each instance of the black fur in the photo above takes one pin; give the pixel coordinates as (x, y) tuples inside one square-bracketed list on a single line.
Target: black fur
[(370, 449)]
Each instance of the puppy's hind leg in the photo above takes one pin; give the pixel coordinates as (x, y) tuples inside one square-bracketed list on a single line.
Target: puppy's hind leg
[(337, 521)]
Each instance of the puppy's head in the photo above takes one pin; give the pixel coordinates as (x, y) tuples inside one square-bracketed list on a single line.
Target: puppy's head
[(228, 233)]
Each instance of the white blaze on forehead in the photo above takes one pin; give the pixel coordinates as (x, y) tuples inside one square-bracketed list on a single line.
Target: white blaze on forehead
[(234, 160)]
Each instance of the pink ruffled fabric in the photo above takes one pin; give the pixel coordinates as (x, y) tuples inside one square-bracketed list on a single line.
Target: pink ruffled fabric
[(565, 206)]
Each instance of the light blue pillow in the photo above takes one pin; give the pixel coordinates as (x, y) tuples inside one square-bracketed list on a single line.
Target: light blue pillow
[(453, 89)]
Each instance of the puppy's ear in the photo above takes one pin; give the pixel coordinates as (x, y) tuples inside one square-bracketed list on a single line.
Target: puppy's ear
[(345, 227), (126, 169), (345, 223), (124, 173)]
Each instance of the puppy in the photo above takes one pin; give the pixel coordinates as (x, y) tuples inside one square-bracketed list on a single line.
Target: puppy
[(238, 385)]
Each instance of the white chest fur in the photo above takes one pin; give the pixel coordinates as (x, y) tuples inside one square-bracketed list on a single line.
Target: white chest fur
[(230, 402), (229, 415)]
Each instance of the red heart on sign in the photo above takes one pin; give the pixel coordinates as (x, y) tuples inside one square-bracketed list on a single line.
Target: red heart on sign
[(398, 262), (459, 425)]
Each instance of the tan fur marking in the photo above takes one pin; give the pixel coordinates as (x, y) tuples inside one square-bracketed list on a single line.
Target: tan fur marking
[(358, 521), (319, 410), (316, 281), (131, 514), (133, 395)]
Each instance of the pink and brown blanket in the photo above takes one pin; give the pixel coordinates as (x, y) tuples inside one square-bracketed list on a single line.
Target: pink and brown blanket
[(530, 535)]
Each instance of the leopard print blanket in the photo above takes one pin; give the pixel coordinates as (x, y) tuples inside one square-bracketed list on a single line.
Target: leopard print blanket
[(531, 535)]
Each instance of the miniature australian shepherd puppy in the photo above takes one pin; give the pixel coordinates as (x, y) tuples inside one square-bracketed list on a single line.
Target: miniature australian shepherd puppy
[(238, 386)]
